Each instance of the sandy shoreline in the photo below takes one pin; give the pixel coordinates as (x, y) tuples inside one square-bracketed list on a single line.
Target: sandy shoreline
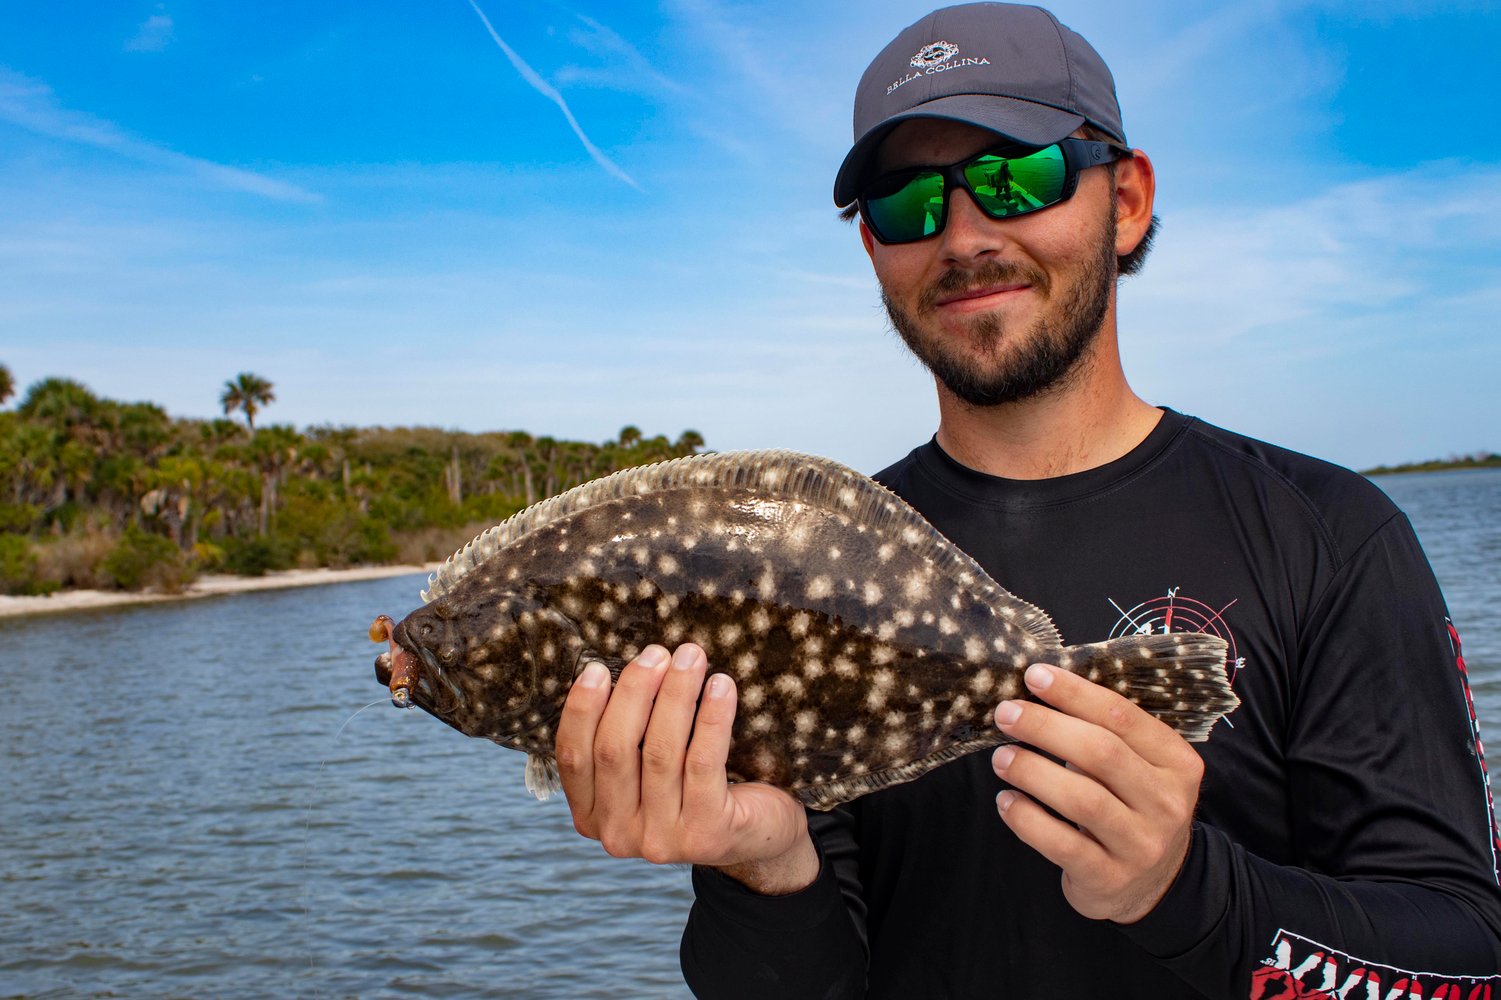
[(209, 585)]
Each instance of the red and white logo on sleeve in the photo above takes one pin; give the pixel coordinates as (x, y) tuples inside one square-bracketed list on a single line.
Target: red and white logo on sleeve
[(1301, 969), (1485, 778)]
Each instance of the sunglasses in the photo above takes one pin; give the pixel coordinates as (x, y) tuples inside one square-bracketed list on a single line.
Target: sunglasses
[(912, 204)]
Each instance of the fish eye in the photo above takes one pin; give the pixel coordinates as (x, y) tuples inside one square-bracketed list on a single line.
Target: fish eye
[(427, 629)]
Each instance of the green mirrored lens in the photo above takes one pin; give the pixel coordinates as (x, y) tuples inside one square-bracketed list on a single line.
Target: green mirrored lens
[(910, 212), (1006, 186)]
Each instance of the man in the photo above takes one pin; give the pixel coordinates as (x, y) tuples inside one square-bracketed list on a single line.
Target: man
[(1334, 837)]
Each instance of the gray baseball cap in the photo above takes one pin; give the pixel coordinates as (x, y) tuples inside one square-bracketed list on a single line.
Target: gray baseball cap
[(1009, 68)]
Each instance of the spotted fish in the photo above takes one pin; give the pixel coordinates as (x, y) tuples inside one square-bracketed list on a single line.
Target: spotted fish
[(866, 647)]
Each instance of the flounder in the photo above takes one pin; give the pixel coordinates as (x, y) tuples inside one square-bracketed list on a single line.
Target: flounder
[(867, 649)]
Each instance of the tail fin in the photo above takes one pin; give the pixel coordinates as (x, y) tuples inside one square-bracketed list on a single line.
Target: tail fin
[(1178, 677)]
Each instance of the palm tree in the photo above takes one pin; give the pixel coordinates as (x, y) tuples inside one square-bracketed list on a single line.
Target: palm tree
[(7, 384), (247, 393)]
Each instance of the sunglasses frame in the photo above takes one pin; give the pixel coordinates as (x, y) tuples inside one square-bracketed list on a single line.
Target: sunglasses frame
[(1078, 154)]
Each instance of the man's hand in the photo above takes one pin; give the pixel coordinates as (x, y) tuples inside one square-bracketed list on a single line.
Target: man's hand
[(1128, 793), (645, 775)]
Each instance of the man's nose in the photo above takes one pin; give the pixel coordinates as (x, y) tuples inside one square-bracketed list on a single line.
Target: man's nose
[(969, 233)]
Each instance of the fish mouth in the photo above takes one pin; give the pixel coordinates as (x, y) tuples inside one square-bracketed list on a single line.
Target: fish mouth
[(434, 691)]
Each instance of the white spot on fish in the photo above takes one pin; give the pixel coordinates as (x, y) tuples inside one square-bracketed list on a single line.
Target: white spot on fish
[(753, 697), (745, 665), (790, 685), (760, 621), (667, 565), (947, 626), (974, 649), (872, 593), (804, 721), (845, 667), (800, 623), (820, 587), (885, 552), (730, 634), (762, 724), (813, 668)]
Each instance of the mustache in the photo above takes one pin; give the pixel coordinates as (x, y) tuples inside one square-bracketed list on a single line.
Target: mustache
[(957, 280)]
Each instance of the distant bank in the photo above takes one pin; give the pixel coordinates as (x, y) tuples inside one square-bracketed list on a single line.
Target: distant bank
[(1479, 460), (213, 585)]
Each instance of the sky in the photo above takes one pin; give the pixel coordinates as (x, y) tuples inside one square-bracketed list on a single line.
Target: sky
[(567, 217)]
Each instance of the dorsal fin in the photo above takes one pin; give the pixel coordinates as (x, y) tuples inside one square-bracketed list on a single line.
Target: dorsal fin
[(774, 473)]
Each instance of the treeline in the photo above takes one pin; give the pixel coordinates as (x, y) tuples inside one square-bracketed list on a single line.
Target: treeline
[(1477, 460), (105, 494)]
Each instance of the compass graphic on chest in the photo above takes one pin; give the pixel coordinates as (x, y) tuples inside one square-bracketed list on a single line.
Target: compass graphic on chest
[(1174, 612)]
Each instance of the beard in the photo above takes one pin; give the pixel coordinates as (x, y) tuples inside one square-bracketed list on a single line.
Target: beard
[(1011, 365)]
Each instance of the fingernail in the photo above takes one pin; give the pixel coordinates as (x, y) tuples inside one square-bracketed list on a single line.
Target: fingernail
[(652, 657), (595, 675), (1003, 758), (1039, 676), (719, 686), (1007, 713), (1003, 801), (685, 658)]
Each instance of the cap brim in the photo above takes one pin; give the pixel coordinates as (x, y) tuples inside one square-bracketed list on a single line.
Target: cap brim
[(1025, 122)]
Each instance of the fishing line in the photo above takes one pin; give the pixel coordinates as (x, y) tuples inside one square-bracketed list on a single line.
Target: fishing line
[(307, 830)]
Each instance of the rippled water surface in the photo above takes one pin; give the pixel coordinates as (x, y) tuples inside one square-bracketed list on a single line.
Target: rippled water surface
[(182, 820)]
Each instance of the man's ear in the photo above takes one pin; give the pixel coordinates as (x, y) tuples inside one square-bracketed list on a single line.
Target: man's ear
[(868, 240), (1135, 191)]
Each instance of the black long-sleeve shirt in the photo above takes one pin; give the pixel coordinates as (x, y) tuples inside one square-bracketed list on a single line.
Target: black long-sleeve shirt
[(1346, 839)]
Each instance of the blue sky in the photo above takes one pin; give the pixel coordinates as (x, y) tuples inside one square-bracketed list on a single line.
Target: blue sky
[(386, 210)]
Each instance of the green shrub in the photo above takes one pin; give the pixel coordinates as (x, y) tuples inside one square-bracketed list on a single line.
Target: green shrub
[(18, 568), (19, 517), (76, 560), (208, 557), (254, 556), (140, 560)]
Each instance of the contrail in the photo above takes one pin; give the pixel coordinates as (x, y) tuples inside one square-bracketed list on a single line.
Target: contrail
[(541, 86)]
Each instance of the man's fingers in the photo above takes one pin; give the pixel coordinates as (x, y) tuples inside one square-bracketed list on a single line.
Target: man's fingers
[(705, 786), (1076, 797), (1150, 738), (575, 742), (666, 739), (1058, 841), (617, 740)]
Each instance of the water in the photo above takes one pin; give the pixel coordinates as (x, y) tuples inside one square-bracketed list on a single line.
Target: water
[(181, 819)]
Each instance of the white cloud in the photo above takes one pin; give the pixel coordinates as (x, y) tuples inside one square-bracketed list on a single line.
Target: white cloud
[(31, 105), (152, 36)]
